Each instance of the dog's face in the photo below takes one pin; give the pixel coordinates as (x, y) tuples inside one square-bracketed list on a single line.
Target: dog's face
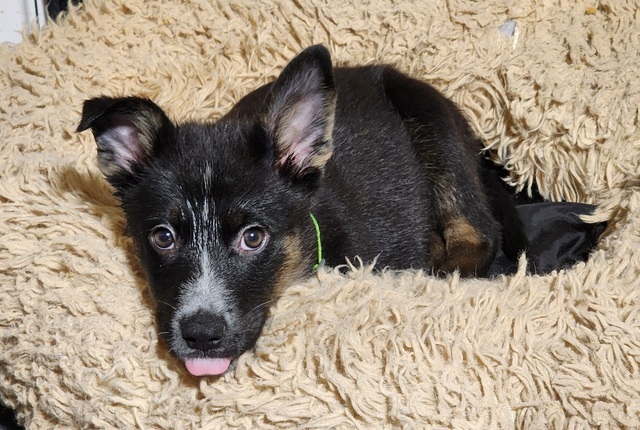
[(218, 211)]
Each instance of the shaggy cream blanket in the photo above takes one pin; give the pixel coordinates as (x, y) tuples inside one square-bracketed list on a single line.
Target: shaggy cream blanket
[(552, 87)]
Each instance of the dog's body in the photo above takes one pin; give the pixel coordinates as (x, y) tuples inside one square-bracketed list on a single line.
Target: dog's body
[(223, 213)]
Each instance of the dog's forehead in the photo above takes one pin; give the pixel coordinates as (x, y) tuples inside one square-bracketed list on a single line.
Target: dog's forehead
[(220, 140), (202, 151), (215, 162)]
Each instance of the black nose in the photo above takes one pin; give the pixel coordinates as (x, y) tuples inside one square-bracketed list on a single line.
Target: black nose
[(203, 330)]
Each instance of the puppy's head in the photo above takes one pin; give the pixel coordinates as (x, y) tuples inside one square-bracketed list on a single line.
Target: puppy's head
[(220, 212)]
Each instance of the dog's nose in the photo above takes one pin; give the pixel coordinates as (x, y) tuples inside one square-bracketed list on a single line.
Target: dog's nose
[(203, 330)]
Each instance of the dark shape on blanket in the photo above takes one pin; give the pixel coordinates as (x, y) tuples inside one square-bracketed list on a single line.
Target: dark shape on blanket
[(8, 419), (557, 237), (56, 7)]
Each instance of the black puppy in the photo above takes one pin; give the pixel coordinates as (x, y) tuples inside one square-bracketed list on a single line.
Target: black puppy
[(320, 164)]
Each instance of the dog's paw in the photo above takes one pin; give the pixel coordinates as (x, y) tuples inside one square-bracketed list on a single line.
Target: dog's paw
[(467, 249), (437, 251)]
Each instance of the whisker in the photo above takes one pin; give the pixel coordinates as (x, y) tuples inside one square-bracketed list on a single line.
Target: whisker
[(256, 308), (167, 304)]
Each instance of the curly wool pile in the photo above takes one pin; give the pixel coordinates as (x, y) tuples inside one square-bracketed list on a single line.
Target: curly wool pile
[(558, 102)]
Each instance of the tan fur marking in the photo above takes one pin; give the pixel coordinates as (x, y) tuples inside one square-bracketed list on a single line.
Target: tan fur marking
[(466, 249), (292, 267)]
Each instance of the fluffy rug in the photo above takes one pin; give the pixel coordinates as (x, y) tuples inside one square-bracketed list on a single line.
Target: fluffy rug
[(553, 89)]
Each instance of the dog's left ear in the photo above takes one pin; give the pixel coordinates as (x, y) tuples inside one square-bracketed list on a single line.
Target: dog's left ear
[(128, 132), (300, 114)]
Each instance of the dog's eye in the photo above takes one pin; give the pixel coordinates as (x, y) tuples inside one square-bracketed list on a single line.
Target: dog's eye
[(253, 239), (162, 238)]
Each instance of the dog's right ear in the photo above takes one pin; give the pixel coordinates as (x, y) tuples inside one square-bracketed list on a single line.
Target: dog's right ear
[(300, 114), (127, 132)]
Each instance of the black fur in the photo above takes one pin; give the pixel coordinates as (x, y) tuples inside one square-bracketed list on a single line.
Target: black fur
[(386, 164)]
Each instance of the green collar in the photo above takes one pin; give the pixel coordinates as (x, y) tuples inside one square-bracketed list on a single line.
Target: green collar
[(317, 227)]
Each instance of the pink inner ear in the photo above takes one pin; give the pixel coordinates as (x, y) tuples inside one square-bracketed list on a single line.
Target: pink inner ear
[(301, 130), (124, 142)]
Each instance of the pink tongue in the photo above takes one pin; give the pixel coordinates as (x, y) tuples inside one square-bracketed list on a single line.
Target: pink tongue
[(207, 366)]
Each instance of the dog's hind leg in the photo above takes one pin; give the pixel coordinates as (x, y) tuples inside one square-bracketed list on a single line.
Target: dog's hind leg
[(466, 233)]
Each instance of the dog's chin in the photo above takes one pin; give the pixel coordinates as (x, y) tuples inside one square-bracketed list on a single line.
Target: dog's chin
[(207, 366)]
